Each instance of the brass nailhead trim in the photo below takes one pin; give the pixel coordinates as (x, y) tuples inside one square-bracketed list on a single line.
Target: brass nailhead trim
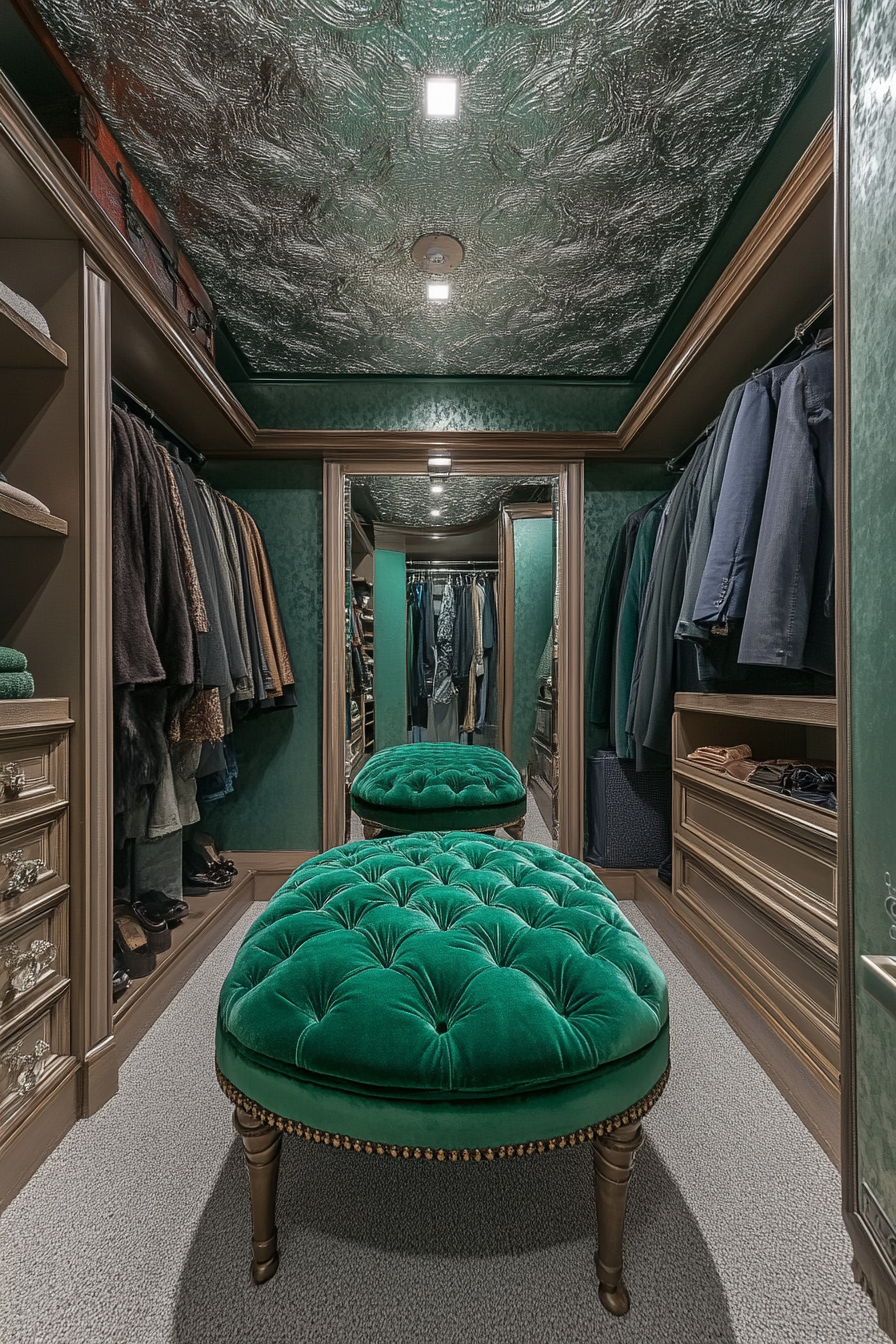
[(343, 1142)]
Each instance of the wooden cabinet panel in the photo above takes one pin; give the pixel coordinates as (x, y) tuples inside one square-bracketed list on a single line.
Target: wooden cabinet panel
[(793, 986), (33, 771), (33, 861)]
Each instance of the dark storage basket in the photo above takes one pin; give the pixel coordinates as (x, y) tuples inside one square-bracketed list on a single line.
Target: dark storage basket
[(629, 813)]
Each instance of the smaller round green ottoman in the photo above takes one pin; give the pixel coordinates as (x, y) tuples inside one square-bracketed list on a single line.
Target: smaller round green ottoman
[(439, 786), (444, 996)]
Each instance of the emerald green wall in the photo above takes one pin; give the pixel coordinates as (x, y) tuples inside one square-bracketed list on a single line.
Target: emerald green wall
[(520, 404), (533, 610), (276, 803), (872, 312), (613, 490), (390, 648)]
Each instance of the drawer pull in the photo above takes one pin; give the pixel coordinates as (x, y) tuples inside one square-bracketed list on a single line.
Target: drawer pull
[(24, 873), (24, 1070), (12, 777), (26, 968)]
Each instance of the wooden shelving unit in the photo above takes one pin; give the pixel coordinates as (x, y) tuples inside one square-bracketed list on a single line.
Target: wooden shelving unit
[(754, 875)]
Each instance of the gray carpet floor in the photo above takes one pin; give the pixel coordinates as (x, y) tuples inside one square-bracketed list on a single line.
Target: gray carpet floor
[(136, 1228)]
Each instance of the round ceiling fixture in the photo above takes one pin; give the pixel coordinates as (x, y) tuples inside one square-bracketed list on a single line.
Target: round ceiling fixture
[(437, 253)]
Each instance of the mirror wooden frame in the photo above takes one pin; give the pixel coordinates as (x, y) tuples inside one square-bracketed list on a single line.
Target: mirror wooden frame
[(571, 645)]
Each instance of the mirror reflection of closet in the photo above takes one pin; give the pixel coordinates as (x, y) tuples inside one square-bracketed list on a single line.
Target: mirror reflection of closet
[(452, 623)]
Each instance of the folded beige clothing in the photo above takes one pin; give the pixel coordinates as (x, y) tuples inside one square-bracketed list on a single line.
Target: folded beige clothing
[(741, 770), (718, 758), (22, 497)]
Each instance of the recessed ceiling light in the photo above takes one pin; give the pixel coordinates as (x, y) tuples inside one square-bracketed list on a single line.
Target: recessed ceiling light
[(436, 488), (438, 291), (435, 513), (441, 96)]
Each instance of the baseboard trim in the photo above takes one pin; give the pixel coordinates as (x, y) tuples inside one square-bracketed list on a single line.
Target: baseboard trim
[(269, 867), (620, 881)]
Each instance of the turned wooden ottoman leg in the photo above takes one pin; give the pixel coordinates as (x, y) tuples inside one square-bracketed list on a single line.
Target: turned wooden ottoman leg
[(613, 1158), (261, 1145), (515, 828), (371, 831)]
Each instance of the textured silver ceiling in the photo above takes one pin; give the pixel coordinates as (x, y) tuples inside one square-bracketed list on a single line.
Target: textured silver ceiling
[(599, 144), (406, 501)]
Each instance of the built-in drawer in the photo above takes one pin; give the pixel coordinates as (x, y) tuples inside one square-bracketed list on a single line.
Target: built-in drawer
[(32, 958), (792, 982), (33, 770), (33, 862), (31, 1058), (793, 856)]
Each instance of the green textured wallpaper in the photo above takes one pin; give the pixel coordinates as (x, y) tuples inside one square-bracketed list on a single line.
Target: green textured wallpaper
[(533, 607), (389, 648), (613, 490), (520, 404), (872, 207), (276, 803)]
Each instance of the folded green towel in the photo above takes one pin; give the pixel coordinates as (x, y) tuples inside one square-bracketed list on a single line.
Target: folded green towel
[(16, 685), (12, 661)]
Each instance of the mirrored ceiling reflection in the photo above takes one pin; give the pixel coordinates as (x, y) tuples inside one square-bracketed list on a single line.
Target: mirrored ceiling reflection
[(596, 149), (457, 500)]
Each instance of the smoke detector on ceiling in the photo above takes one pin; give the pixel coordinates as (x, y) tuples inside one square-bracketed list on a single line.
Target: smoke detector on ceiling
[(437, 253)]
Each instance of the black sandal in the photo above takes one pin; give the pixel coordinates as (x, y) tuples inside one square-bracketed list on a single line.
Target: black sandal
[(129, 941)]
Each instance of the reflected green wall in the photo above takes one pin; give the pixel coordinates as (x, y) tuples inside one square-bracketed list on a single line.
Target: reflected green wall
[(519, 404), (390, 648), (276, 803), (613, 490), (872, 209), (533, 607)]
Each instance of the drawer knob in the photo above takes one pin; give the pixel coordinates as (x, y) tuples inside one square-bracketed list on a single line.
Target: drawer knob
[(24, 1071), (26, 967), (12, 777), (23, 873)]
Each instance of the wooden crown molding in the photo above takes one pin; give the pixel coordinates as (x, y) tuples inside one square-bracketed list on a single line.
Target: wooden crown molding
[(475, 450), (810, 178)]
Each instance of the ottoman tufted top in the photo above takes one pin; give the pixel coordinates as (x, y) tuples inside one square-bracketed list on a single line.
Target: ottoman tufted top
[(426, 785), (439, 967)]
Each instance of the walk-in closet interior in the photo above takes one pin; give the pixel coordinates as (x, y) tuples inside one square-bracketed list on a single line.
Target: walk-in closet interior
[(487, 384)]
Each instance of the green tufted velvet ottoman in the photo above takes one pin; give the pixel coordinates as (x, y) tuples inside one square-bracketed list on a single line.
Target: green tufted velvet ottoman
[(444, 996), (439, 786)]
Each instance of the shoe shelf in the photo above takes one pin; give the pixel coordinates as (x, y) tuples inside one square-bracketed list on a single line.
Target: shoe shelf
[(23, 520), (209, 919), (23, 346)]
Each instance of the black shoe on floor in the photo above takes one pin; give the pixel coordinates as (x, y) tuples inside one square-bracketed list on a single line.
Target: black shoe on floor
[(200, 879), (162, 906), (158, 934)]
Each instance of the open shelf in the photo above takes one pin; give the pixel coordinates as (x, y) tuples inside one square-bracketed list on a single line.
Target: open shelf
[(820, 711), (22, 346), (23, 520), (209, 919)]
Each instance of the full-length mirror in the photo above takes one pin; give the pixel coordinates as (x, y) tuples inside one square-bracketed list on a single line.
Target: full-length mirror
[(451, 628)]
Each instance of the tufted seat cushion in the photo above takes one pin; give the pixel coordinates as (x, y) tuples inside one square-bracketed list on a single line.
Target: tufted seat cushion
[(448, 990), (438, 786)]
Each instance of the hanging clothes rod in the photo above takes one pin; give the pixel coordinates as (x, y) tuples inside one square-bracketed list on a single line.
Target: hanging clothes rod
[(453, 566), (134, 404), (678, 463)]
